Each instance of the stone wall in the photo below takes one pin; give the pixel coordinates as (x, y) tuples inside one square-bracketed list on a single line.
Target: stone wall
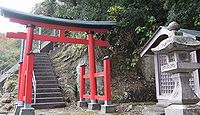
[(148, 67)]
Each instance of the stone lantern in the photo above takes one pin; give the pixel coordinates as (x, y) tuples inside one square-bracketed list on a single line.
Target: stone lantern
[(177, 48)]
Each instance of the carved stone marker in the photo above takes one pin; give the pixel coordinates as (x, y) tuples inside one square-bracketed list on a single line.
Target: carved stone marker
[(178, 47)]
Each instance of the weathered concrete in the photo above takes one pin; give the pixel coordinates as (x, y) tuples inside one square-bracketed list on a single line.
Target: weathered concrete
[(17, 109), (27, 111), (183, 110), (108, 109), (153, 110), (82, 104)]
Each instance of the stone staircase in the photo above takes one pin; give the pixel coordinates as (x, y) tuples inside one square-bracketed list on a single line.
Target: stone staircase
[(48, 93)]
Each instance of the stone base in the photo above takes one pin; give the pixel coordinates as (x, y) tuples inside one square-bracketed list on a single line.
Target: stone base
[(27, 111), (153, 110), (94, 106), (17, 109), (82, 104), (182, 110), (108, 109)]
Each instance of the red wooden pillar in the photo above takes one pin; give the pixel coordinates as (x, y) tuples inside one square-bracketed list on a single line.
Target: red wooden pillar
[(28, 48), (19, 81), (82, 82), (92, 68), (107, 83), (28, 85)]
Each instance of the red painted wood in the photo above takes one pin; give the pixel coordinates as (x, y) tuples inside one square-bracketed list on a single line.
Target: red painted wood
[(82, 81), (86, 76), (29, 75), (19, 81), (86, 96), (99, 97), (99, 74), (28, 48), (21, 35), (92, 67), (25, 22), (107, 83)]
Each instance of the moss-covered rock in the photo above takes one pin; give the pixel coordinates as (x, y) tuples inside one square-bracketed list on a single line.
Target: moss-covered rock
[(10, 85)]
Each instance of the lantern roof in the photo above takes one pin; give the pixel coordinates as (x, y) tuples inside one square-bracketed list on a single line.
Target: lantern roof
[(176, 41)]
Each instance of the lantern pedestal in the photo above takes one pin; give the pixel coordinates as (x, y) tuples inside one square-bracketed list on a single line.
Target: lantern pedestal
[(183, 99)]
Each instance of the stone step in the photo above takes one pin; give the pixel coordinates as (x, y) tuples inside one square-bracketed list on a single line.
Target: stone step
[(41, 54), (41, 58), (49, 105), (42, 70), (42, 64), (49, 99), (42, 67), (45, 77), (45, 90), (46, 82), (42, 61), (49, 94), (50, 73), (47, 86)]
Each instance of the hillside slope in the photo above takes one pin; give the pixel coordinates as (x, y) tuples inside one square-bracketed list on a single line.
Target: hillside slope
[(9, 50)]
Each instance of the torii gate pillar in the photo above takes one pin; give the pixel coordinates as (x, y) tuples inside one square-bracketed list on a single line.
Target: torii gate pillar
[(92, 68), (26, 78)]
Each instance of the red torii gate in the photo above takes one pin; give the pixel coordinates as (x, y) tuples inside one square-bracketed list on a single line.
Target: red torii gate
[(26, 67)]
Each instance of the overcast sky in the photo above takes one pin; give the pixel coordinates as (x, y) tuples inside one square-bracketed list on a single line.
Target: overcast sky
[(20, 5)]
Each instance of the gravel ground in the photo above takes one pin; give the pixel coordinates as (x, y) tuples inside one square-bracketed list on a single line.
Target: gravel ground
[(72, 109)]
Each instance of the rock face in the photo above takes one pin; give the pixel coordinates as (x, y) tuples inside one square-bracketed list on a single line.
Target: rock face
[(9, 94), (6, 103), (126, 84)]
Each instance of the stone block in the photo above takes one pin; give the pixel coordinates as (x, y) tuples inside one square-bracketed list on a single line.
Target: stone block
[(27, 111), (82, 104), (17, 109), (94, 106), (182, 110), (108, 109), (153, 110)]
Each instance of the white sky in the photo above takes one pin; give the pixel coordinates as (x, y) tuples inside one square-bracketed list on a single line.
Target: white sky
[(20, 5)]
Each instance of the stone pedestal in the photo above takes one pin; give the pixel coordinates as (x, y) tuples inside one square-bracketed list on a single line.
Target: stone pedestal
[(27, 111), (82, 104), (182, 93), (17, 109), (94, 106), (182, 110), (108, 109)]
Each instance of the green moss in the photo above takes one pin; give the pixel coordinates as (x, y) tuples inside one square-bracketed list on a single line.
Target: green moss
[(10, 85)]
